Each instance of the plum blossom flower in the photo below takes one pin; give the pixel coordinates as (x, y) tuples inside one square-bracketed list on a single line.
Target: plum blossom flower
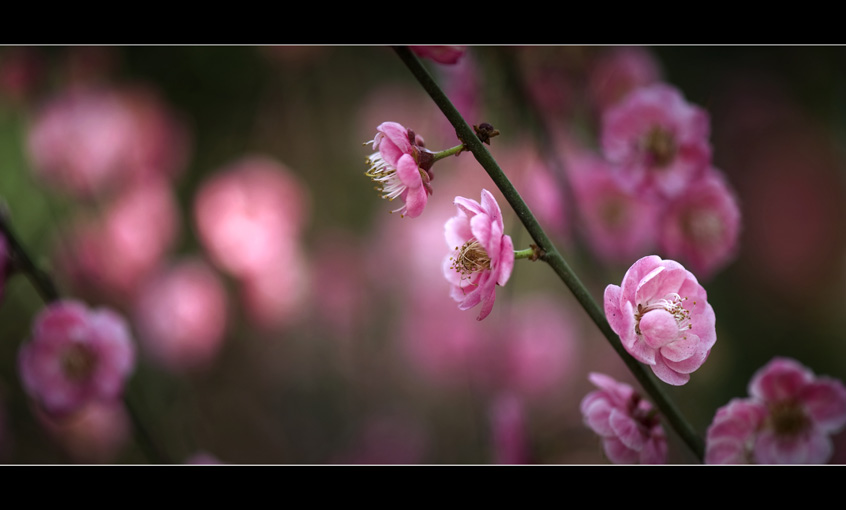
[(702, 225), (789, 418), (76, 356), (663, 317), (446, 54), (659, 140), (618, 71), (398, 168), (628, 425), (482, 256)]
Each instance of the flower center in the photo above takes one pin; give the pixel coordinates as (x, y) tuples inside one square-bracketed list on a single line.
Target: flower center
[(671, 303), (385, 176), (78, 361), (788, 418), (470, 258), (660, 145)]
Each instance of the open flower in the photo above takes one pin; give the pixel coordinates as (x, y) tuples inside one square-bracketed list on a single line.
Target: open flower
[(659, 140), (76, 356), (482, 256), (396, 168), (628, 425), (788, 419), (663, 317)]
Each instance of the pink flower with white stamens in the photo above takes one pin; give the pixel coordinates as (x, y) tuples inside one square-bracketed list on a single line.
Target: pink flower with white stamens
[(76, 356), (659, 140), (482, 257), (789, 418), (628, 425), (663, 317), (398, 167)]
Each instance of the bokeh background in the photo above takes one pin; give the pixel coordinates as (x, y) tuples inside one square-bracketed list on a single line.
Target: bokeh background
[(283, 316)]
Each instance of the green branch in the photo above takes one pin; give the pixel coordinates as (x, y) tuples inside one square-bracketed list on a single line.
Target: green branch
[(551, 255)]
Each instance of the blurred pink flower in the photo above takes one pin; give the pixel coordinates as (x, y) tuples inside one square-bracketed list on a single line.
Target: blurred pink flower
[(789, 418), (702, 225), (659, 140), (663, 317), (278, 294), (539, 347), (618, 71), (618, 223), (86, 141), (731, 436), (628, 425), (397, 168), (110, 256), (508, 423), (248, 213), (76, 356), (180, 314), (449, 54), (96, 433), (482, 257)]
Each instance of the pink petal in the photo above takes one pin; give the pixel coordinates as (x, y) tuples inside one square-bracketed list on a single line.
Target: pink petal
[(619, 453), (616, 319), (506, 260), (471, 207), (691, 364), (825, 401), (668, 375), (681, 349), (626, 429), (658, 328), (457, 231), (480, 225), (658, 284), (408, 172)]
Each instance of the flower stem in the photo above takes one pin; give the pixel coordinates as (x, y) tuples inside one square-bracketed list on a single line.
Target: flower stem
[(448, 152), (551, 254), (524, 254)]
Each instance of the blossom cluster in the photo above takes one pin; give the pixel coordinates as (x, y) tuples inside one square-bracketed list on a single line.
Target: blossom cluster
[(653, 185), (788, 418)]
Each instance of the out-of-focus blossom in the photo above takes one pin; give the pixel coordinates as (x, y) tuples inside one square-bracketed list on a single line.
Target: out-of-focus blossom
[(461, 83), (701, 226), (278, 294), (628, 425), (95, 434), (110, 256), (539, 347), (448, 54), (789, 418), (658, 139), (619, 224), (398, 167), (551, 75), (482, 256), (618, 71), (76, 356), (508, 423), (181, 315), (86, 141), (249, 213), (663, 317)]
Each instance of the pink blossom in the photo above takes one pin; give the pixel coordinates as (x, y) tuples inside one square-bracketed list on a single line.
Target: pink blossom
[(109, 256), (702, 225), (248, 213), (449, 54), (76, 356), (276, 296), (86, 141), (508, 421), (628, 425), (180, 314), (731, 436), (618, 223), (618, 71), (663, 317), (482, 256), (789, 418), (396, 168), (659, 140), (96, 433)]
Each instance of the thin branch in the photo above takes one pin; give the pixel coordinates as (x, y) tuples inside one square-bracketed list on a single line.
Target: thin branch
[(551, 254)]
